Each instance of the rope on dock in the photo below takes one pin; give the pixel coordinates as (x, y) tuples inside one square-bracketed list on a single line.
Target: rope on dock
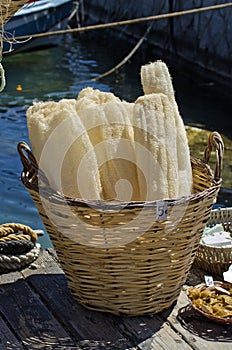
[(11, 228), (131, 21), (17, 262), (18, 246)]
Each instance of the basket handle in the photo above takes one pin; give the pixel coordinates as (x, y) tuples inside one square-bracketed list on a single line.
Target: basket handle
[(27, 158), (215, 141)]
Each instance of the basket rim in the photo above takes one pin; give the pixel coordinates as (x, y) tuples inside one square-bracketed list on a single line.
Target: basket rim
[(31, 175), (212, 247), (47, 192), (216, 248), (222, 209)]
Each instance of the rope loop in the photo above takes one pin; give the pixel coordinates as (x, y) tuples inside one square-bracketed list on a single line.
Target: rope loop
[(11, 228), (18, 246)]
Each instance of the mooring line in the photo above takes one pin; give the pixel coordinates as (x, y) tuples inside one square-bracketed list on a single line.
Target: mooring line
[(131, 21)]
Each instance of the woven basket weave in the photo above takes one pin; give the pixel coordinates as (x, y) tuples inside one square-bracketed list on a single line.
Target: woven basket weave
[(8, 8), (216, 260), (117, 257)]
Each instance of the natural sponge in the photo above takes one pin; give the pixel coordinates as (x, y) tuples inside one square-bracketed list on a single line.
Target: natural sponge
[(156, 79), (60, 141)]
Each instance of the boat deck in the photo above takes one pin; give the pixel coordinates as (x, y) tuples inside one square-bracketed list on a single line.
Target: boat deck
[(37, 311)]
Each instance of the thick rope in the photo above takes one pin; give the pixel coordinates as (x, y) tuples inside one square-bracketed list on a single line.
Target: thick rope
[(17, 246), (9, 228), (17, 237), (130, 21), (13, 247), (16, 262)]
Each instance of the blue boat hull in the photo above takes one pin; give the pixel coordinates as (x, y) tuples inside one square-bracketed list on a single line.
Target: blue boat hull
[(37, 20)]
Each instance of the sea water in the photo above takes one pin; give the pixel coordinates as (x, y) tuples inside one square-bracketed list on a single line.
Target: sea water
[(61, 72)]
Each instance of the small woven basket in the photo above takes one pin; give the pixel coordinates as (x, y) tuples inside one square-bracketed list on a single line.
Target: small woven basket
[(120, 257), (216, 260), (226, 286), (8, 8)]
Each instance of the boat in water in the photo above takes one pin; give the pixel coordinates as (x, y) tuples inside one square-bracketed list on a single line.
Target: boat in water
[(40, 16)]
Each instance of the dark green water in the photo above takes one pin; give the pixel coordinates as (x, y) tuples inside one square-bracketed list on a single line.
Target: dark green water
[(61, 72)]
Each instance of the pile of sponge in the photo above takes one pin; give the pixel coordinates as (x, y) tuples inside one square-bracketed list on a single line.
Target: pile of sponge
[(99, 147)]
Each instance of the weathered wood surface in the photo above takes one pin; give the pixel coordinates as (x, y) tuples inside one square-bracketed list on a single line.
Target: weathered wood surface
[(37, 311)]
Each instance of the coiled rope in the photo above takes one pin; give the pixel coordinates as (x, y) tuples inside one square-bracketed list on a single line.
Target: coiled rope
[(18, 247)]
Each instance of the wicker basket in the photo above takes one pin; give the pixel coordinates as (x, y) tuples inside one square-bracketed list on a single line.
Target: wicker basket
[(212, 317), (216, 260), (118, 257), (9, 8)]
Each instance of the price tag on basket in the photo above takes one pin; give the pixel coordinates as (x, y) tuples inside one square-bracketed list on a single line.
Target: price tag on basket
[(161, 210), (209, 281)]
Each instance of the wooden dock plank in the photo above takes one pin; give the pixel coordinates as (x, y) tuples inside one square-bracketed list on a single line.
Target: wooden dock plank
[(7, 338), (149, 332), (165, 339), (114, 331), (39, 312), (31, 321), (93, 327)]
